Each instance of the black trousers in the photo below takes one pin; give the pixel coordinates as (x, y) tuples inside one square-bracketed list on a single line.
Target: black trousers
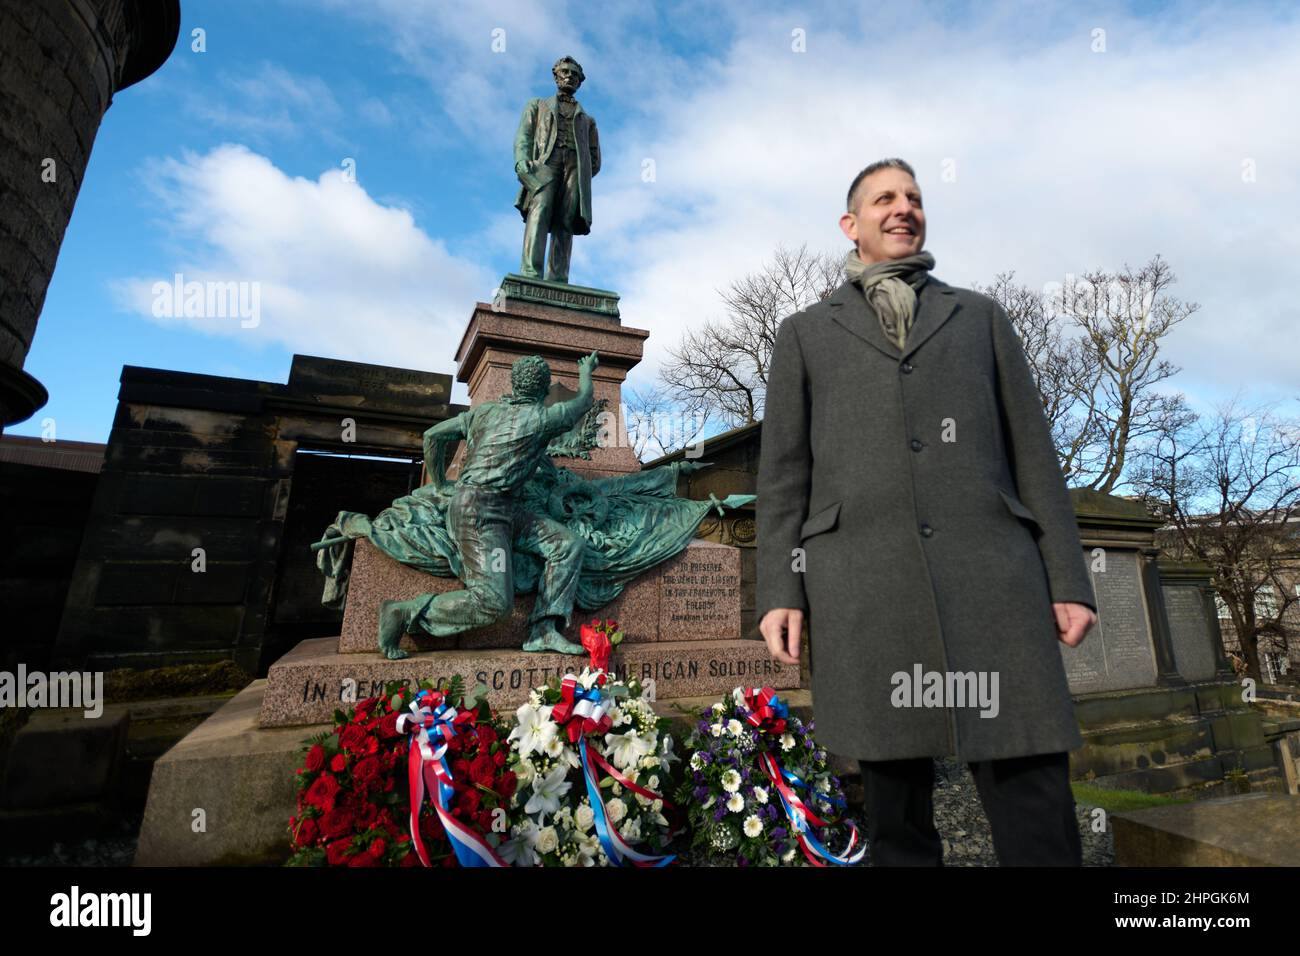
[(1027, 800)]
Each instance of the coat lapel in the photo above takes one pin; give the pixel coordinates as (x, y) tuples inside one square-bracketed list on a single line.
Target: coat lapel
[(935, 305)]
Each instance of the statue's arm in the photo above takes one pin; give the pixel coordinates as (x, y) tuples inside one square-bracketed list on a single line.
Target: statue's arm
[(562, 416), (595, 148), (524, 136), (436, 440)]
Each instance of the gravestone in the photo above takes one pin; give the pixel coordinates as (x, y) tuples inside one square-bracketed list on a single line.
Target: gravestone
[(1118, 654)]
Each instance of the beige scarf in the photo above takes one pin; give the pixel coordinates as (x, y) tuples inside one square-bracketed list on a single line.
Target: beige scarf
[(891, 287)]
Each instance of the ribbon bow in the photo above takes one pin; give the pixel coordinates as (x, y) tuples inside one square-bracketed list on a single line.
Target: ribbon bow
[(582, 710), (431, 724), (766, 711)]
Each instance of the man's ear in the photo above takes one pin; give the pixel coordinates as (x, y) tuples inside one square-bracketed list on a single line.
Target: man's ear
[(849, 226)]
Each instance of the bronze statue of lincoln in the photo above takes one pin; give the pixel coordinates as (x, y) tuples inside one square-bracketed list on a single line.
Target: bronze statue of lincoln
[(556, 154)]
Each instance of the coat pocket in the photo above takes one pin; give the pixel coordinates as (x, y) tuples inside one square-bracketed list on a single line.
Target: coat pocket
[(1018, 509), (823, 520)]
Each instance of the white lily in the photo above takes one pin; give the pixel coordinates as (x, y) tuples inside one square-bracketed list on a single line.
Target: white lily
[(521, 848), (548, 790), (627, 749), (535, 729)]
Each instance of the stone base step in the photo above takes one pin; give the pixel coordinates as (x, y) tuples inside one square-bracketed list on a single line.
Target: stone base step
[(308, 684), (693, 595), (1253, 829)]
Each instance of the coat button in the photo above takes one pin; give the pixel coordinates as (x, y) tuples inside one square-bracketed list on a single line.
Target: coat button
[(916, 445), (926, 530), (905, 368)]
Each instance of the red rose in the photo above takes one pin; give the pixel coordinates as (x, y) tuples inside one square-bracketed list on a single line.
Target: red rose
[(337, 852), (499, 758), (409, 860), (507, 783), (366, 770), (352, 737), (370, 745), (483, 770), (336, 823), (362, 859), (487, 735), (485, 820), (307, 833), (323, 791), (468, 801), (378, 848), (365, 707), (315, 758), (388, 725), (339, 763)]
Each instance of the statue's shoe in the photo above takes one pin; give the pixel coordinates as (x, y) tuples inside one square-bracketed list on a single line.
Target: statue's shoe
[(552, 641)]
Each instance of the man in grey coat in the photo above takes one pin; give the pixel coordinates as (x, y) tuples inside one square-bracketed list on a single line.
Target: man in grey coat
[(912, 509)]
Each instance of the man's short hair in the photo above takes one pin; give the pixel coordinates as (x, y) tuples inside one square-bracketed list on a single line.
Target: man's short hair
[(530, 377), (582, 77), (893, 163)]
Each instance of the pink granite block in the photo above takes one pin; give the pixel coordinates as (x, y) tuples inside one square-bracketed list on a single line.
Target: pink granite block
[(311, 681), (700, 596)]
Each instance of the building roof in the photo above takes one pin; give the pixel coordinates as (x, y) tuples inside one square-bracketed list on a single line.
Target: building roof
[(64, 455)]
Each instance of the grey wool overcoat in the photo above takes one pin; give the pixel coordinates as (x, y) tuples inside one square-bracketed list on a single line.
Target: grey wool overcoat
[(912, 504)]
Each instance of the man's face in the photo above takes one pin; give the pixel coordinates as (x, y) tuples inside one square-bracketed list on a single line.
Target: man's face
[(889, 222), (566, 79)]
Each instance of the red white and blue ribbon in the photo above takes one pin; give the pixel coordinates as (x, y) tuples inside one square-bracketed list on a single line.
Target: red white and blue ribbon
[(615, 847), (584, 710), (431, 723), (769, 714)]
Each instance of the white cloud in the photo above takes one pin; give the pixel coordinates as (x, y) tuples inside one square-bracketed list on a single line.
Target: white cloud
[(339, 274)]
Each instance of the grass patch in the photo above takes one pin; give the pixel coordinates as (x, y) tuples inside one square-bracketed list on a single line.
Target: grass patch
[(1114, 801), (183, 680)]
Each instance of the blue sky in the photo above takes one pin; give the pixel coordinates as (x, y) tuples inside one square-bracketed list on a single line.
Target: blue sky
[(228, 164)]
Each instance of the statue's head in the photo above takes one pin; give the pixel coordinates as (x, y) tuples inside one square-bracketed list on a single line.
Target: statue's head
[(530, 378), (568, 74)]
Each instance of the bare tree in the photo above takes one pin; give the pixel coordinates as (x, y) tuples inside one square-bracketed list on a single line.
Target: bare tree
[(1229, 489), (719, 371), (1124, 316), (657, 424), (1094, 351), (1067, 373)]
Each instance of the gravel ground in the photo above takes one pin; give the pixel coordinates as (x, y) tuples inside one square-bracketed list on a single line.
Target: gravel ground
[(967, 840)]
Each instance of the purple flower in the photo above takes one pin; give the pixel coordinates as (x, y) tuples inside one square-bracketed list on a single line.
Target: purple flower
[(769, 812), (702, 726), (701, 793), (741, 861), (706, 756), (719, 813), (779, 833), (699, 777)]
